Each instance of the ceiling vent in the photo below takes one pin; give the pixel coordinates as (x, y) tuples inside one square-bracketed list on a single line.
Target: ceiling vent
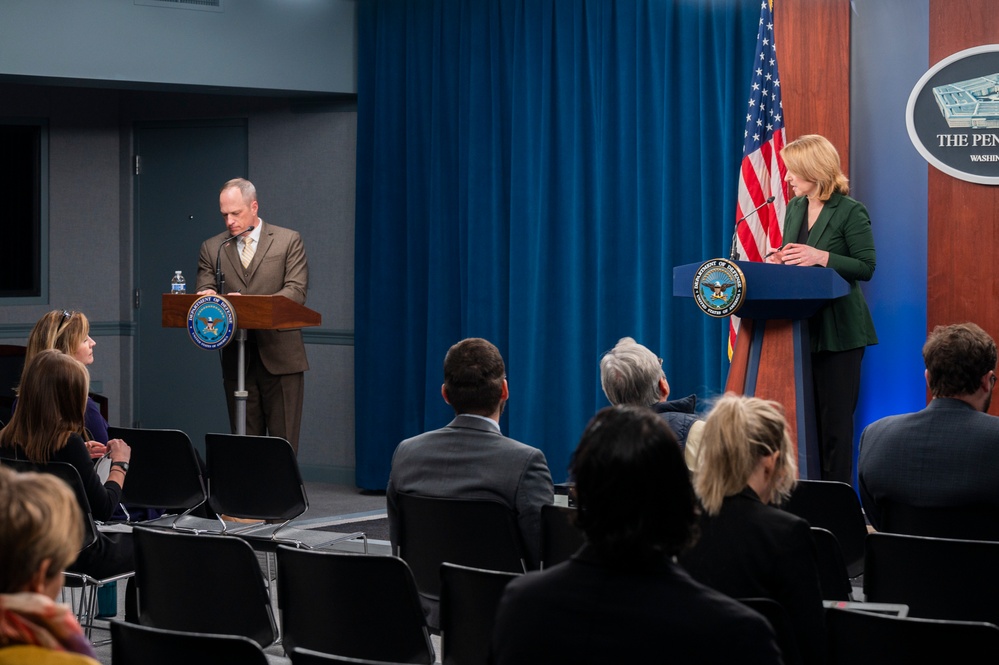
[(200, 5)]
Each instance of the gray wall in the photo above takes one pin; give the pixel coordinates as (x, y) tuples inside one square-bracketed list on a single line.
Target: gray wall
[(305, 46), (302, 162)]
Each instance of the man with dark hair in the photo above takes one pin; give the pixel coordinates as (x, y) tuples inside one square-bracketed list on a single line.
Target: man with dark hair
[(631, 374), (947, 455), (470, 458), (623, 598)]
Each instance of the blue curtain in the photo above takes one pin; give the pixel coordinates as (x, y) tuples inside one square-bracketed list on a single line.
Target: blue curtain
[(530, 172)]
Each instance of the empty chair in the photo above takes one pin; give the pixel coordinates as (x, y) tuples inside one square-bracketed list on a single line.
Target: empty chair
[(164, 473), (833, 576), (471, 532), (257, 478), (965, 522), (131, 643), (937, 578), (777, 617), (560, 538), (867, 638), (301, 656), (834, 506), (469, 598), (357, 605), (201, 583)]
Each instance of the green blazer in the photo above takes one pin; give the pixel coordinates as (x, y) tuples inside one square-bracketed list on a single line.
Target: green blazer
[(844, 230)]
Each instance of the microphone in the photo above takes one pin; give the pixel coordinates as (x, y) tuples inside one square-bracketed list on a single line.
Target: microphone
[(735, 232), (219, 277)]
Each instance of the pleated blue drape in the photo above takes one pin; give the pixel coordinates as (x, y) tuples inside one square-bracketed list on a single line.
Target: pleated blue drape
[(530, 171)]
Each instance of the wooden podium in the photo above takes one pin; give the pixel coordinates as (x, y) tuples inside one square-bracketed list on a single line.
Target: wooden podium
[(252, 313), (772, 357)]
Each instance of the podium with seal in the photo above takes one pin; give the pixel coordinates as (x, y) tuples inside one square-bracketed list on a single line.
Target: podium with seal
[(214, 321), (772, 356)]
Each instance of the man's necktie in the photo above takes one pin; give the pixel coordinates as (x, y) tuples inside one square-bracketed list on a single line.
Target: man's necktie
[(247, 254)]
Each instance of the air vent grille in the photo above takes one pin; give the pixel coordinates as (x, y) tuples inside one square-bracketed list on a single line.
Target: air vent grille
[(200, 5)]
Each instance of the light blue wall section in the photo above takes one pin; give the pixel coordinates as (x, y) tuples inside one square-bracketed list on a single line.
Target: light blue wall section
[(306, 46), (890, 52)]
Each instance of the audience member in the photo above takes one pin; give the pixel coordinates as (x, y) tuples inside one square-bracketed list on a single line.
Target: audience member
[(748, 548), (947, 455), (631, 374), (622, 598), (46, 426), (41, 530)]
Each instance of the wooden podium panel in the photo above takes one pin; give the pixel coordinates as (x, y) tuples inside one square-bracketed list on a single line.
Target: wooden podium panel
[(252, 312)]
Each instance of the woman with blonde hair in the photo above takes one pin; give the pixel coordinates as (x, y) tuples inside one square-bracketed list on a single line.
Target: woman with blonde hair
[(825, 227), (748, 548), (45, 428), (41, 530)]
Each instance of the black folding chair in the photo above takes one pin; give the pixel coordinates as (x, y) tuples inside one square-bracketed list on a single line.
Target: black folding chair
[(834, 506), (469, 600), (778, 618), (355, 605), (132, 643), (973, 522), (301, 656), (833, 577), (560, 538)]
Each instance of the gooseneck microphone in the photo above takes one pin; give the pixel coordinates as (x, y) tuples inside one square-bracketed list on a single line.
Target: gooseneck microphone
[(219, 277), (735, 232)]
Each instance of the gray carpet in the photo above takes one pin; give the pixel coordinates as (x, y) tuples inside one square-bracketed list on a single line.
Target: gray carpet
[(375, 528)]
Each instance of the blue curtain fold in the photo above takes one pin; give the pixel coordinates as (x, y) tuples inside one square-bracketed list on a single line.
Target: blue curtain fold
[(530, 171)]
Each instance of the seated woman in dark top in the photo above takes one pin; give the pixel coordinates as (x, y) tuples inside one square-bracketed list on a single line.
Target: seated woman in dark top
[(622, 598), (46, 427), (747, 547)]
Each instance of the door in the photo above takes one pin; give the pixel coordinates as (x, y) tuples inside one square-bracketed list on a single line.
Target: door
[(181, 168)]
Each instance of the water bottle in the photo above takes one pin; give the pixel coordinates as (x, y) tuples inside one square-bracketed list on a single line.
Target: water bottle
[(177, 284)]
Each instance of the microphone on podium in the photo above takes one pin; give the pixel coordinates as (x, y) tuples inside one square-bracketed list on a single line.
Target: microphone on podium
[(735, 232)]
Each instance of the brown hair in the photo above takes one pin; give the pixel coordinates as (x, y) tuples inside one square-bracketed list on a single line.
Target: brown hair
[(957, 357), (39, 520), (50, 405), (62, 330), (473, 377), (738, 433), (815, 159)]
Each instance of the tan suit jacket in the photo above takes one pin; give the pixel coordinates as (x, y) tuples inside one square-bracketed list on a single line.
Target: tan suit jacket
[(279, 267)]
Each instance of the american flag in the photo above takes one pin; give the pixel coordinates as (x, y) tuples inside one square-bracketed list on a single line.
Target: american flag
[(762, 171)]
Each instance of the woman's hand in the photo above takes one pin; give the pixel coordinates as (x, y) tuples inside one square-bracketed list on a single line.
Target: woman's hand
[(796, 254), (96, 449), (119, 451)]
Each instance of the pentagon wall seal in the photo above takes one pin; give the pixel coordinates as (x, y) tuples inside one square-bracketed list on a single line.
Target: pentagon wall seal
[(719, 288), (211, 322)]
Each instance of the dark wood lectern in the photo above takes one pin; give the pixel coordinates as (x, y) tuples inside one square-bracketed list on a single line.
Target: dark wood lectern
[(772, 357), (252, 313)]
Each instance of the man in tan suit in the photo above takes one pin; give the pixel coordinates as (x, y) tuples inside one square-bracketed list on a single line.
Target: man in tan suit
[(263, 260)]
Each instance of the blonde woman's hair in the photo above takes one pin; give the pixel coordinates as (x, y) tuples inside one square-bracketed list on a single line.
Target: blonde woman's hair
[(51, 404), (738, 433), (815, 159), (39, 520), (61, 330)]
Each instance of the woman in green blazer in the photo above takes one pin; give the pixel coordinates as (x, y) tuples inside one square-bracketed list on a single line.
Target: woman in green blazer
[(825, 227)]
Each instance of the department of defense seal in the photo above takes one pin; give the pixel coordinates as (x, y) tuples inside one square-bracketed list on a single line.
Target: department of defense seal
[(719, 288), (211, 322)]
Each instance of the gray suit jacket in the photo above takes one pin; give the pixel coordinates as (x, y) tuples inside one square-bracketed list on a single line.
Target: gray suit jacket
[(946, 455), (279, 267), (468, 460)]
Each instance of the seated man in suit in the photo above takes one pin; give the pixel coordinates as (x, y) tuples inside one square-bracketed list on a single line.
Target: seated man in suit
[(470, 458), (631, 374), (946, 455), (623, 598)]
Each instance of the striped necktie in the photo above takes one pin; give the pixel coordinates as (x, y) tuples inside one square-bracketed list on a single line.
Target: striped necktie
[(247, 254)]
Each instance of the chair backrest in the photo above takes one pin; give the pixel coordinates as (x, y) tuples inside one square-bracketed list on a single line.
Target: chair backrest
[(481, 533), (833, 577), (357, 605), (301, 656), (201, 583), (164, 470), (469, 600), (254, 477), (68, 474), (132, 643), (965, 522), (937, 578), (778, 618), (834, 506), (867, 638), (560, 538)]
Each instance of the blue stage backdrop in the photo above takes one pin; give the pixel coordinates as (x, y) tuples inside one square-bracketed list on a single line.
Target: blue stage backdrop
[(530, 171)]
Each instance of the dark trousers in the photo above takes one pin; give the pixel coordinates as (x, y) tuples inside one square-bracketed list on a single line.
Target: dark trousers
[(273, 401), (836, 377)]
